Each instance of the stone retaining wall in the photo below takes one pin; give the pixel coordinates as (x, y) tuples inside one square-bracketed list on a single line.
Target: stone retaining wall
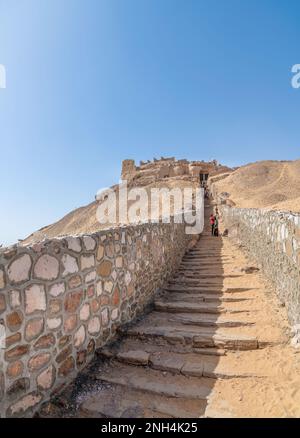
[(63, 298), (273, 240)]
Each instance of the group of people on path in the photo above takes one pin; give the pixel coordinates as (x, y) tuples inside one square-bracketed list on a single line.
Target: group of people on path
[(214, 222)]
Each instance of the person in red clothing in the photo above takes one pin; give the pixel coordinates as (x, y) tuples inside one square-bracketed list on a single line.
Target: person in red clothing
[(212, 223)]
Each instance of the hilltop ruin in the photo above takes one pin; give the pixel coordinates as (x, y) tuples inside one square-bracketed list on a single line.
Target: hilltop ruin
[(149, 172)]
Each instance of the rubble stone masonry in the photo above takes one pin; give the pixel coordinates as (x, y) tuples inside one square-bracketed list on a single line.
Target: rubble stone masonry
[(63, 298), (272, 238)]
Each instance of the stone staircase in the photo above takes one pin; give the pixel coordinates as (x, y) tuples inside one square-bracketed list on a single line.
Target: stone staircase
[(202, 327)]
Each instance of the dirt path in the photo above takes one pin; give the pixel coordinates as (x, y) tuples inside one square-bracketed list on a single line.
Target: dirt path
[(216, 344)]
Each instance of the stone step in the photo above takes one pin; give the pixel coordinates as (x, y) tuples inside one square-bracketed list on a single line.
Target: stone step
[(196, 266), (198, 298), (208, 250), (192, 266), (199, 273), (206, 320), (195, 269), (199, 268), (204, 252), (205, 249), (204, 281), (210, 351), (197, 366), (200, 281), (197, 263), (206, 275), (180, 320), (208, 257), (239, 289), (134, 357), (193, 289), (200, 278), (119, 401), (191, 337), (190, 283), (227, 341), (187, 364), (155, 382), (183, 307), (129, 343), (199, 323), (206, 290)]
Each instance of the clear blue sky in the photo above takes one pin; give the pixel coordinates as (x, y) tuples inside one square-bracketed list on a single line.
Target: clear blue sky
[(91, 82)]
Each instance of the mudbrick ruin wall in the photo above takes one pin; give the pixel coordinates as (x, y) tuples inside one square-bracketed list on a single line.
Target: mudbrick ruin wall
[(272, 238), (63, 298)]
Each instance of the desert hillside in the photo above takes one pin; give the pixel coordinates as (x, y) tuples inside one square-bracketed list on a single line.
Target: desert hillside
[(159, 173), (84, 219), (264, 184)]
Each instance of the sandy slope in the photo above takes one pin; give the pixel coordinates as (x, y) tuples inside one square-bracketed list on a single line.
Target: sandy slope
[(265, 184)]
